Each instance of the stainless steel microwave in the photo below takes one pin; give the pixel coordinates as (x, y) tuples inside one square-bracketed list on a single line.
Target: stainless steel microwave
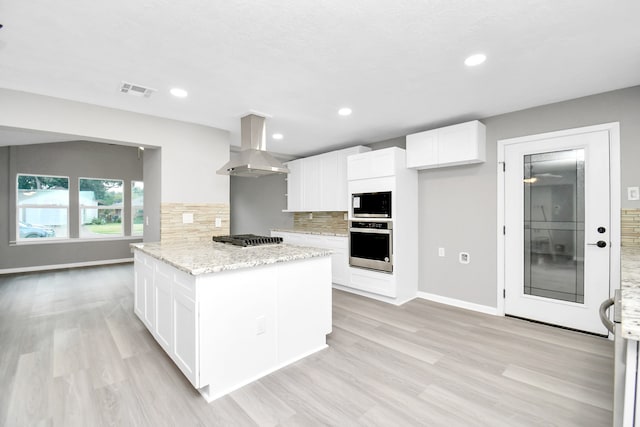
[(371, 205)]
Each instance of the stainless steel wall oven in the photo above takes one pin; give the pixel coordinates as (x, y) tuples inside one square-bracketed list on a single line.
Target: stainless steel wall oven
[(371, 245)]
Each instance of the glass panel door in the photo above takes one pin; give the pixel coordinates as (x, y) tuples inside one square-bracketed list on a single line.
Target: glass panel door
[(554, 215)]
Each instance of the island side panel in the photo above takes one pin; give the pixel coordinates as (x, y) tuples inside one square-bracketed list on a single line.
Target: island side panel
[(304, 308), (257, 320), (238, 330)]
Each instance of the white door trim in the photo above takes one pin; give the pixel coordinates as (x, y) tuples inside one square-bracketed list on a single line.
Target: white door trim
[(614, 167)]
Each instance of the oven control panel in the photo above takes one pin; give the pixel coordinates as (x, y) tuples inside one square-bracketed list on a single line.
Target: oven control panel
[(371, 224)]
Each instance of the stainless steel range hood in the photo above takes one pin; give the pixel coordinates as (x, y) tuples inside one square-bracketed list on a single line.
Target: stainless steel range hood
[(253, 159)]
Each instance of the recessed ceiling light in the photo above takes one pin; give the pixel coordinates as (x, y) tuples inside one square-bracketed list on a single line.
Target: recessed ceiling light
[(179, 93), (346, 111), (277, 136), (474, 60)]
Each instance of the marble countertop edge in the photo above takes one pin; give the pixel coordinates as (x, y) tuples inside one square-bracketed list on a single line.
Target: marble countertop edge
[(213, 257), (312, 232), (630, 286)]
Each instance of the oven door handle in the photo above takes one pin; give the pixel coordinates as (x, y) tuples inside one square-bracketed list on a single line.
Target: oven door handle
[(369, 230)]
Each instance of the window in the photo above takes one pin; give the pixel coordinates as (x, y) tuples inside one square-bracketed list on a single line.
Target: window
[(137, 208), (101, 207), (43, 207)]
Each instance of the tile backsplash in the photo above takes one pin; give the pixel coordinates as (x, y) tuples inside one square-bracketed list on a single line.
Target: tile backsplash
[(332, 222), (173, 228), (630, 227)]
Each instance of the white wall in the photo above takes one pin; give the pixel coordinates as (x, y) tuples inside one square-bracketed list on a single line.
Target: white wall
[(191, 153)]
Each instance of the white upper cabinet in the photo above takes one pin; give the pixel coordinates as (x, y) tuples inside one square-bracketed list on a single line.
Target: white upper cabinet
[(319, 183), (375, 164), (460, 144), (294, 185), (311, 180)]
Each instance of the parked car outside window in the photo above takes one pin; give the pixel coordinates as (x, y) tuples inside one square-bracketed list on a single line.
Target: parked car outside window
[(29, 231)]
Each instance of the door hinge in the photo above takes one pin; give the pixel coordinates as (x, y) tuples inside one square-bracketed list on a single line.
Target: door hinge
[(504, 293), (504, 230), (504, 166)]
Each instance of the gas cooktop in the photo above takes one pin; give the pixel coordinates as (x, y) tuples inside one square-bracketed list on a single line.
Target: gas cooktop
[(248, 240)]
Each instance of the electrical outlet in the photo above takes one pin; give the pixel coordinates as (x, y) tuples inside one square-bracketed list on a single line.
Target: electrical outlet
[(187, 218), (310, 215), (633, 193), (345, 217), (218, 222), (440, 251), (464, 258)]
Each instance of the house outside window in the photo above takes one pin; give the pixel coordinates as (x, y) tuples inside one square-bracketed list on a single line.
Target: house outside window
[(101, 207), (137, 208), (42, 207)]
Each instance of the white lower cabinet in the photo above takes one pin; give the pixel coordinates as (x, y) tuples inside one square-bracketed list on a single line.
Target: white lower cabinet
[(338, 244), (185, 345), (164, 308), (144, 305), (224, 330)]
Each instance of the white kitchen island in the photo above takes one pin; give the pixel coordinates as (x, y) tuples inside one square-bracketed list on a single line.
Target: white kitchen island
[(228, 315)]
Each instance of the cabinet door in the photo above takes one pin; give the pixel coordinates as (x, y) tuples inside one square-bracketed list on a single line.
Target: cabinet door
[(458, 144), (422, 150), (358, 166), (185, 342), (142, 274), (383, 163), (341, 184), (329, 184), (149, 300), (374, 164), (163, 312), (310, 184), (294, 185), (340, 266)]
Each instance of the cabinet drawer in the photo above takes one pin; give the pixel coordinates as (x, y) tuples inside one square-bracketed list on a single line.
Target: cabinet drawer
[(377, 283)]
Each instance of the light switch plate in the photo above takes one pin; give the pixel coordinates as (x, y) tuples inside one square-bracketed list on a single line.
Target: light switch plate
[(218, 222), (187, 218), (464, 258), (440, 251), (633, 193)]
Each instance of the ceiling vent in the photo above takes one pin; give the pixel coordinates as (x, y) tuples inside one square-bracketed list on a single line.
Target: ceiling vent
[(136, 90)]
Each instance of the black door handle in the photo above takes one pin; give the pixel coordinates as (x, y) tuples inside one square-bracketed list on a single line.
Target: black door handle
[(599, 243)]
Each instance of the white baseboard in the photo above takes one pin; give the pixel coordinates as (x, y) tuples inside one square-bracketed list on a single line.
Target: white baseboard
[(390, 300), (459, 303), (61, 266)]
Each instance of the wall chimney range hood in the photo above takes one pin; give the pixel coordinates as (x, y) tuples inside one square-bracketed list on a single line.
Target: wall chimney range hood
[(253, 160)]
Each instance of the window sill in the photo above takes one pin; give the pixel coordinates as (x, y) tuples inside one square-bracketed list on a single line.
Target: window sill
[(72, 240)]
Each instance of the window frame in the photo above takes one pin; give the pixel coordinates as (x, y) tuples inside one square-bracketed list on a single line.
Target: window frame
[(98, 208), (18, 206), (133, 209)]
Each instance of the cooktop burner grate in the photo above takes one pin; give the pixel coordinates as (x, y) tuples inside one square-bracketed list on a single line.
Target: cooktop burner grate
[(247, 240)]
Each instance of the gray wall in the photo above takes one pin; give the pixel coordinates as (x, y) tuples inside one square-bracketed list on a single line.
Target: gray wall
[(152, 172), (257, 204), (458, 205), (73, 159)]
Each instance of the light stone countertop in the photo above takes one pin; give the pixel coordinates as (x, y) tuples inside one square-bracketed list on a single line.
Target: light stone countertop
[(630, 286), (317, 233), (214, 257)]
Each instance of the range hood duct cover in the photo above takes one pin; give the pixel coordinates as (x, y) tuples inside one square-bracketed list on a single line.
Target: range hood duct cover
[(253, 159)]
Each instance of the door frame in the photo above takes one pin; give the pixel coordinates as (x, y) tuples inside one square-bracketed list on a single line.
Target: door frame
[(614, 207)]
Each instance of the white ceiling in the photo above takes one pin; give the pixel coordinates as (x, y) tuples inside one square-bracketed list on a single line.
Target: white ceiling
[(398, 65)]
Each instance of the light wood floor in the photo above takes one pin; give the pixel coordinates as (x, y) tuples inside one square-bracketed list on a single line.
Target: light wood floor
[(72, 353)]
